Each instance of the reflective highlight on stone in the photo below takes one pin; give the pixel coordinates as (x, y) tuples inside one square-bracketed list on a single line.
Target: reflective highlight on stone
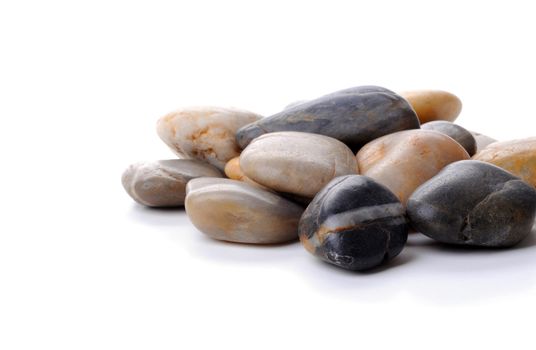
[(354, 223), (163, 183), (235, 211), (295, 162), (354, 116)]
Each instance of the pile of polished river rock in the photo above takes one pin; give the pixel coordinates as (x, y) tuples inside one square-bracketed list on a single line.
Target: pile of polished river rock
[(349, 173)]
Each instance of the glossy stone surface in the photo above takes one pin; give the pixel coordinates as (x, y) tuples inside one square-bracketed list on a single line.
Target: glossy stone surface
[(354, 223), (515, 156), (482, 141), (296, 162), (235, 211), (458, 133), (233, 171), (163, 183), (474, 203), (204, 133), (434, 104), (404, 160), (354, 116)]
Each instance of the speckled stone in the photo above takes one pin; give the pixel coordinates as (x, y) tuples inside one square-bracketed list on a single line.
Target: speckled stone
[(434, 104), (163, 183), (235, 211), (354, 223), (482, 141), (204, 133), (353, 116), (296, 162), (515, 156), (474, 203), (458, 133), (404, 160)]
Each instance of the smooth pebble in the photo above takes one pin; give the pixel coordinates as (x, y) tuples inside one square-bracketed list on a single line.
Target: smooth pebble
[(458, 133), (434, 104)]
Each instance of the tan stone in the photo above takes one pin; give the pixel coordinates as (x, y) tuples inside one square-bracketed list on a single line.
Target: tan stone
[(515, 156), (204, 133), (235, 211), (296, 162), (433, 104), (404, 160)]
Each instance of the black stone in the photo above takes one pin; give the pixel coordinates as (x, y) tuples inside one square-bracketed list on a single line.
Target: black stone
[(458, 133), (355, 223), (354, 116), (473, 203)]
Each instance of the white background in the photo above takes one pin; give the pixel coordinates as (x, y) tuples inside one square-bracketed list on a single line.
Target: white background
[(81, 87)]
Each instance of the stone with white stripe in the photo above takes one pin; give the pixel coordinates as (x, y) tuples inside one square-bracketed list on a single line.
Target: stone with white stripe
[(354, 223)]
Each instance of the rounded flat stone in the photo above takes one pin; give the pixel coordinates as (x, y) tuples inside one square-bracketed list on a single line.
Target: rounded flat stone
[(355, 223), (434, 104), (458, 133), (235, 211), (404, 160), (354, 116), (482, 141), (296, 162), (163, 183), (515, 156), (204, 133), (474, 203)]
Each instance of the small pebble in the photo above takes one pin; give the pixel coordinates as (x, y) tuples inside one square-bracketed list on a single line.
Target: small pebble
[(482, 141), (459, 134), (296, 162), (434, 104), (354, 116), (204, 133), (233, 171), (235, 211), (515, 156), (404, 160), (354, 223), (163, 183), (474, 203)]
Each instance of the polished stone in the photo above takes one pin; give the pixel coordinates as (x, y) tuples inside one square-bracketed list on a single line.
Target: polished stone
[(162, 183), (354, 223), (296, 162), (515, 156), (404, 160), (235, 211), (434, 104), (482, 141), (204, 133), (474, 203), (354, 116), (458, 133)]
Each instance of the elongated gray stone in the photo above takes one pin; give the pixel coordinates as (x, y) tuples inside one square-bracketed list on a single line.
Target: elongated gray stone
[(162, 183), (235, 211), (354, 223), (204, 133), (458, 133), (354, 116), (474, 203), (482, 141), (296, 162)]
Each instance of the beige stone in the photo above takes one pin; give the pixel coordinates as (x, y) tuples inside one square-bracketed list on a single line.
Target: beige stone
[(404, 160), (433, 104), (204, 133), (233, 171), (515, 156), (296, 162), (235, 211)]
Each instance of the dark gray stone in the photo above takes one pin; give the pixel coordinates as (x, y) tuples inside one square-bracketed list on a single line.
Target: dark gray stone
[(355, 223), (459, 134), (354, 116), (473, 203)]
